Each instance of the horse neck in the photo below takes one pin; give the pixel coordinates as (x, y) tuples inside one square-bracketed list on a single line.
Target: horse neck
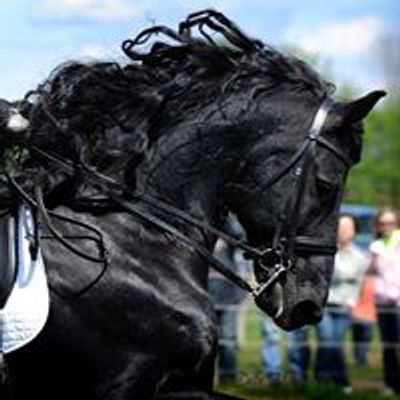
[(180, 171), (197, 200)]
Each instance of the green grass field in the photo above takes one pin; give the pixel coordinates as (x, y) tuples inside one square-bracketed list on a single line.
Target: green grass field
[(252, 384)]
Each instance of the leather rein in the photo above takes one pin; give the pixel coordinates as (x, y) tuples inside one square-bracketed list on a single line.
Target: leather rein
[(273, 261)]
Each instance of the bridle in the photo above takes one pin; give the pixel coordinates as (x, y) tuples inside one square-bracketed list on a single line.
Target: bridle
[(272, 262), (277, 259)]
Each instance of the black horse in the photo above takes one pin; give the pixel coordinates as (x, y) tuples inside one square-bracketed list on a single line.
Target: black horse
[(130, 170)]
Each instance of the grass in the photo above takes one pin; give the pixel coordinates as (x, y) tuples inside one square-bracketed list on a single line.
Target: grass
[(253, 385)]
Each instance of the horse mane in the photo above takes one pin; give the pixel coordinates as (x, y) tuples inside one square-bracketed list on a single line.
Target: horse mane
[(103, 111)]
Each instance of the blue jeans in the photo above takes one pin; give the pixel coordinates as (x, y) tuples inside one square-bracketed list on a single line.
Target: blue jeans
[(227, 344), (271, 350), (299, 353), (330, 362), (389, 327), (362, 337)]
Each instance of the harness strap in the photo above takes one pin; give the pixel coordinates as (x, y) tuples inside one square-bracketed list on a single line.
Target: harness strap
[(316, 246), (303, 157), (136, 210), (324, 143), (64, 240), (132, 208), (200, 249), (45, 216), (106, 182)]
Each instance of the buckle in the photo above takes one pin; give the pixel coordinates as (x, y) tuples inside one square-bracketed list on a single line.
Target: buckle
[(268, 296), (270, 269)]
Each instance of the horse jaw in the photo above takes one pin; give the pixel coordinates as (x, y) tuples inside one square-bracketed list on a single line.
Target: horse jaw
[(16, 121)]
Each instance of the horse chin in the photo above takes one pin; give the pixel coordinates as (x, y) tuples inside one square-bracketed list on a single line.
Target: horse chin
[(304, 293)]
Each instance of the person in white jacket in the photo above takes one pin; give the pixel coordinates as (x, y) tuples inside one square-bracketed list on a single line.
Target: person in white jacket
[(351, 265)]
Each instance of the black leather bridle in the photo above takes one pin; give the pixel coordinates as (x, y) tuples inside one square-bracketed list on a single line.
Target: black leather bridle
[(277, 259), (271, 262)]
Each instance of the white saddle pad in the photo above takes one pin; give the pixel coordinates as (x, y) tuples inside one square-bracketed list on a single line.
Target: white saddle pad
[(27, 308)]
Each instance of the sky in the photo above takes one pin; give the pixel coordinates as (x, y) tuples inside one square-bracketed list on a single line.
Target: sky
[(345, 36)]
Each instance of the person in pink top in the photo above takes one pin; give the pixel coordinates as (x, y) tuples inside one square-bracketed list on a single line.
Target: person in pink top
[(385, 264)]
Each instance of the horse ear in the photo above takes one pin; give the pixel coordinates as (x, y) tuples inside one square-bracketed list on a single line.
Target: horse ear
[(359, 109)]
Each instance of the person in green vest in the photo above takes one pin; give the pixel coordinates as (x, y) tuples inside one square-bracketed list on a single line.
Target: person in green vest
[(385, 264)]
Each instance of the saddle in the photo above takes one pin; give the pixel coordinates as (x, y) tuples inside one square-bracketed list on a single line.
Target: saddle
[(8, 256), (24, 293)]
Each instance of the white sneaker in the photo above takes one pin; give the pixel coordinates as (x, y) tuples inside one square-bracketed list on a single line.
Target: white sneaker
[(347, 390), (387, 391)]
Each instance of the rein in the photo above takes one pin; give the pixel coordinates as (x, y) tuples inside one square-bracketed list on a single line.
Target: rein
[(273, 262), (127, 200), (39, 210)]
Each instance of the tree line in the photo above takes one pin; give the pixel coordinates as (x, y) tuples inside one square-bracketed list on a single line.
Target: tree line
[(376, 179)]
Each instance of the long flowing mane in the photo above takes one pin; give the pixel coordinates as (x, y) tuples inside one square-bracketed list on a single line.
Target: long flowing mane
[(118, 109)]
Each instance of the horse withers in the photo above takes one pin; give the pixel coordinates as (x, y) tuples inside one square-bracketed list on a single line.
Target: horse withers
[(130, 171)]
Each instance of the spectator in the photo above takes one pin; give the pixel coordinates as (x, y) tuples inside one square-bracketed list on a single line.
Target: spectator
[(273, 355), (385, 263), (228, 299), (299, 353), (271, 351), (350, 267)]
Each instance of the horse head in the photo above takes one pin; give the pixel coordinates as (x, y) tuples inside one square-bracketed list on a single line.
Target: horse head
[(265, 133), (241, 122), (288, 192)]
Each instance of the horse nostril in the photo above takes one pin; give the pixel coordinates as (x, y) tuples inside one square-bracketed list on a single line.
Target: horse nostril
[(307, 312)]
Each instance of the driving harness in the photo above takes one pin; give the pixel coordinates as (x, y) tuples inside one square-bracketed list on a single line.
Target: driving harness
[(270, 263)]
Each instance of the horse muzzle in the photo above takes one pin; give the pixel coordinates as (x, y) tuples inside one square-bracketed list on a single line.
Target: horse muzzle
[(304, 292)]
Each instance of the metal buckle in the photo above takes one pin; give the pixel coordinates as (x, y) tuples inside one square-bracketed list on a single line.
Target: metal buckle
[(273, 268), (275, 276), (268, 295)]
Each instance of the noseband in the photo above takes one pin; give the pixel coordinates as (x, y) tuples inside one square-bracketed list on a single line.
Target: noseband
[(271, 262)]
